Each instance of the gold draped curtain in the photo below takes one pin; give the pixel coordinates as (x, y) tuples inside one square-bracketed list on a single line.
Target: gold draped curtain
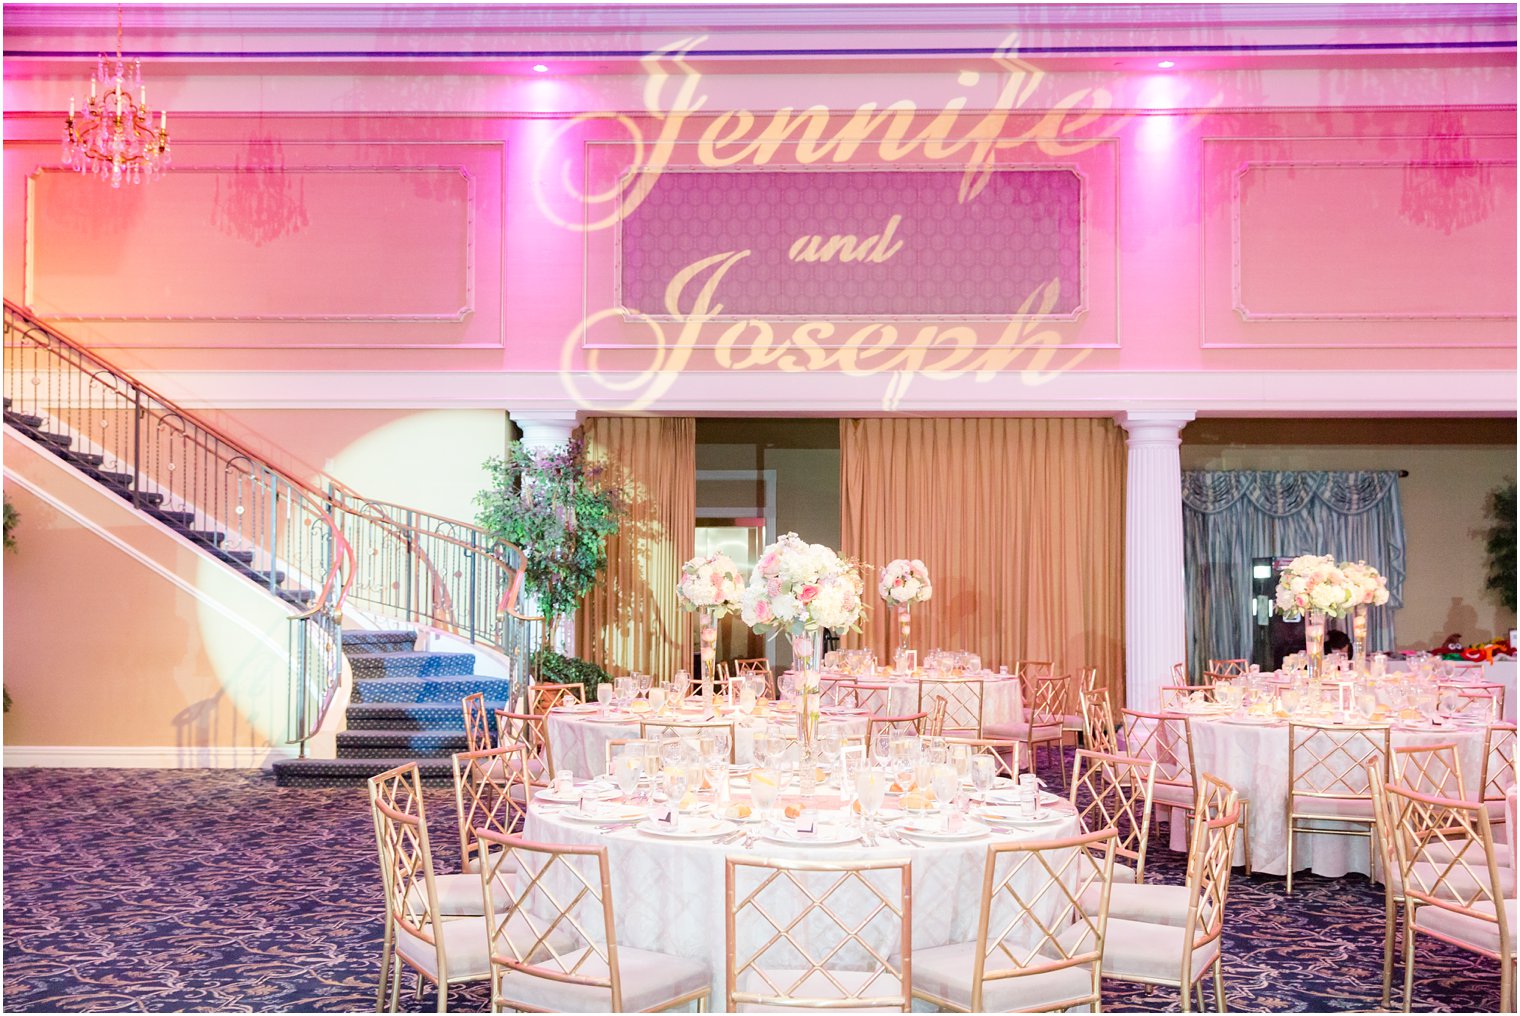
[(630, 620), (1020, 523)]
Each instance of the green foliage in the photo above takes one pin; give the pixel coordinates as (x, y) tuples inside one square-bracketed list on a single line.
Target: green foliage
[(1501, 543), (560, 509), (12, 516), (553, 668)]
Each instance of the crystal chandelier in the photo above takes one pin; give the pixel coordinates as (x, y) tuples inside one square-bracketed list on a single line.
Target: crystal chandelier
[(1446, 188), (114, 137)]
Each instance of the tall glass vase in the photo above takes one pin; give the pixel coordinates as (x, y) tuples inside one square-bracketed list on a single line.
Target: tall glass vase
[(709, 648), (1314, 642), (904, 630), (1359, 639), (806, 649)]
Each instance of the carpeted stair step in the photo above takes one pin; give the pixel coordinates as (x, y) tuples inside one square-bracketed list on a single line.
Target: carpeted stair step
[(261, 577), (241, 557), (343, 772), (379, 641), (436, 717), (299, 597), (86, 460), (409, 663), (211, 537), (401, 743), (173, 517), (56, 440), (25, 421), (411, 689)]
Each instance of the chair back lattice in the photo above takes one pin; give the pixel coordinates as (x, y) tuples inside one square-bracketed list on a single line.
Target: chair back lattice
[(1165, 740), (1499, 762), (1173, 697), (1034, 894), (934, 721), (1098, 721), (817, 934), (1447, 859), (1027, 670), (1005, 752), (1210, 860), (1114, 792), (1227, 669), (477, 722), (1049, 699), (491, 791), (963, 703), (1180, 674), (543, 697), (1428, 769), (557, 924), (910, 724), (758, 666), (1330, 762), (406, 858), (531, 729), (693, 731), (616, 746), (1462, 695)]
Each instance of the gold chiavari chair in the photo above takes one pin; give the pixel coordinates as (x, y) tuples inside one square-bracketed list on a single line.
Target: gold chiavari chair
[(441, 951), (1173, 697), (1167, 741), (832, 689), (1040, 939), (1456, 895), (1228, 669), (722, 676), (810, 955), (909, 724), (1084, 679), (934, 722), (543, 697), (554, 947), (1005, 752), (868, 695), (491, 791), (1042, 722), (1098, 722), (1213, 796), (759, 665), (1465, 694), (1027, 669), (1498, 773), (1180, 674), (691, 730), (1327, 781), (531, 729), (614, 749), (477, 722), (963, 700), (1114, 792), (1153, 952)]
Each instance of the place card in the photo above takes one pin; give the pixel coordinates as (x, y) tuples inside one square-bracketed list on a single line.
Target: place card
[(807, 825), (665, 815)]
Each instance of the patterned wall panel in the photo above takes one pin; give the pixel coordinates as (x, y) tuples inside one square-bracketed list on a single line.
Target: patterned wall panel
[(859, 243)]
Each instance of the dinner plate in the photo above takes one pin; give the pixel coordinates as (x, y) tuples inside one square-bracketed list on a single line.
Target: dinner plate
[(1253, 721), (825, 836), (690, 828), (612, 718), (579, 707), (590, 791), (929, 829), (1010, 816), (618, 813), (1011, 797)]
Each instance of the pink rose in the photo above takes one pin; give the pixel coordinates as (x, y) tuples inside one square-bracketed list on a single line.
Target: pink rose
[(807, 593), (762, 610), (773, 587)]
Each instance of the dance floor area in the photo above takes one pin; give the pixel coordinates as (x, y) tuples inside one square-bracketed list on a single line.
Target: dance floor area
[(157, 890)]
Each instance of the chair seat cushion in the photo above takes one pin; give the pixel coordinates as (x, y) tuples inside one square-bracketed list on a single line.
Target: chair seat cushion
[(1157, 904), (1173, 795), (464, 944), (460, 895), (1150, 951), (1123, 873), (1474, 932), (1457, 882), (1018, 730), (817, 987), (649, 980), (1356, 809), (945, 972)]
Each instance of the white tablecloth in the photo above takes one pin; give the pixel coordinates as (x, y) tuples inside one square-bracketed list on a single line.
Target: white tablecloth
[(1002, 697), (1498, 672), (579, 740), (1254, 760), (668, 895)]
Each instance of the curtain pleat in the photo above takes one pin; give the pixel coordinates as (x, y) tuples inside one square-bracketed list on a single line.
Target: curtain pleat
[(1020, 522), (630, 620), (1230, 516)]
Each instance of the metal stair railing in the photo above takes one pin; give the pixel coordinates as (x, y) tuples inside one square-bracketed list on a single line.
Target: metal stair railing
[(405, 564)]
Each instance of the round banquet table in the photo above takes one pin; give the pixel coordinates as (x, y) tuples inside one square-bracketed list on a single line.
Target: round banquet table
[(1002, 694), (1254, 760), (578, 740), (668, 894)]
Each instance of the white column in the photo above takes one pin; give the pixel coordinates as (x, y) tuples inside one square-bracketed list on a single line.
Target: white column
[(1155, 601), (543, 429)]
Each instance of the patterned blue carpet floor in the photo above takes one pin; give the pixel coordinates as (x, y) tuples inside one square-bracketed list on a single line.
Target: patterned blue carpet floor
[(148, 890)]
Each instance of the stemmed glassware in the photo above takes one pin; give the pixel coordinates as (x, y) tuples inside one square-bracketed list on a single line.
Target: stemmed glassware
[(947, 786), (983, 772), (645, 682), (764, 788), (871, 790), (625, 769), (604, 694)]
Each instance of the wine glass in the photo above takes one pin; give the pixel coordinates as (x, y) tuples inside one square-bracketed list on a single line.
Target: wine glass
[(983, 772), (657, 698), (871, 789), (645, 682), (747, 697), (680, 686), (604, 696), (960, 758), (1289, 697), (947, 785), (676, 782), (881, 747), (1366, 703), (764, 787), (625, 769), (720, 748)]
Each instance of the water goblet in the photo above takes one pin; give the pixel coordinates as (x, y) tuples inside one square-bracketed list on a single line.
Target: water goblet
[(604, 696), (983, 772), (764, 788), (871, 790), (960, 758), (645, 682), (625, 769), (675, 786), (657, 698), (947, 785)]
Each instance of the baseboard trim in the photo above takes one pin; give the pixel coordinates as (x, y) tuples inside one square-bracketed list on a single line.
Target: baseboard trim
[(49, 756)]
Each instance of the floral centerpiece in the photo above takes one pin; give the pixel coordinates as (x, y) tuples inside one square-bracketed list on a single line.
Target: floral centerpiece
[(903, 583), (1316, 587), (803, 589), (711, 586)]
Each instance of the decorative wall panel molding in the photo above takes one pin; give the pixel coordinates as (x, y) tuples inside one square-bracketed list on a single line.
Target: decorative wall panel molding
[(861, 243), (1368, 249), (374, 244)]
